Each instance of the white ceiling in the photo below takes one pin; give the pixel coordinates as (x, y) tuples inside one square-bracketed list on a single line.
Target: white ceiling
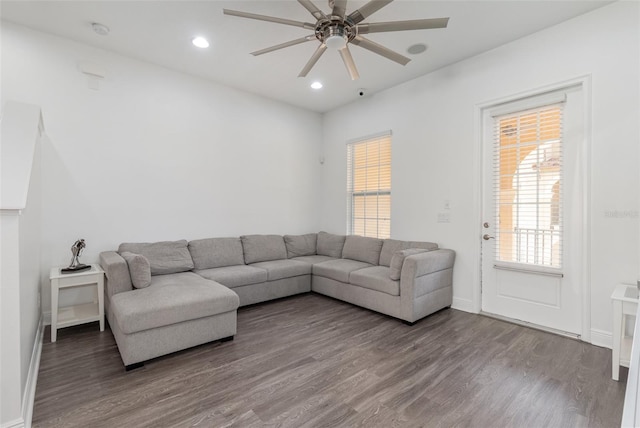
[(161, 31)]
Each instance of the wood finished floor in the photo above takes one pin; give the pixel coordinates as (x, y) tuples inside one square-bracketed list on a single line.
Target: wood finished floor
[(311, 361)]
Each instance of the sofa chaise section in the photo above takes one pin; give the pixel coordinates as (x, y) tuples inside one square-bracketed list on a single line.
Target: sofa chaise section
[(177, 310)]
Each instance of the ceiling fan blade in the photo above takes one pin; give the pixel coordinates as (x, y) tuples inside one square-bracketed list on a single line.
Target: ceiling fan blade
[(269, 19), (416, 24), (317, 13), (367, 10), (345, 53), (284, 45), (314, 58), (380, 50), (339, 8)]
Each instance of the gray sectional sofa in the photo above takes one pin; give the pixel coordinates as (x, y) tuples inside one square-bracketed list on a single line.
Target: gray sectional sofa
[(166, 296)]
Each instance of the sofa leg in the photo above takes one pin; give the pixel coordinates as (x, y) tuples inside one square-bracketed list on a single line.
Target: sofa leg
[(227, 339), (134, 366), (409, 323)]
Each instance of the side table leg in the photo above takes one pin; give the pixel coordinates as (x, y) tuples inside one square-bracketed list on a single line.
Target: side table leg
[(101, 300), (54, 309), (617, 338)]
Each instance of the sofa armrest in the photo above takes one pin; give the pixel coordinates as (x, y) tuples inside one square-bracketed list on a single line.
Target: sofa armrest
[(426, 284), (423, 264), (116, 271)]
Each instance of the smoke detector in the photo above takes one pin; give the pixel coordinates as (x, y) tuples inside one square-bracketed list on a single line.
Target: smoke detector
[(100, 29)]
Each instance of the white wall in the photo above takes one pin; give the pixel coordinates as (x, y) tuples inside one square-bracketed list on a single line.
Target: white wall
[(435, 142), (155, 154)]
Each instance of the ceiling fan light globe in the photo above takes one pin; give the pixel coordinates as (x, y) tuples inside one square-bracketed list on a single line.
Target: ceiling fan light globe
[(336, 42)]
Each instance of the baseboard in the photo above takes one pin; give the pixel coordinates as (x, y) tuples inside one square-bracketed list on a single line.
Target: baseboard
[(18, 423), (601, 338), (32, 377), (463, 305)]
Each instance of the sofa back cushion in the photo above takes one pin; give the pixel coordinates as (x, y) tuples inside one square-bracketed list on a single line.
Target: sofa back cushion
[(262, 248), (330, 245), (390, 246), (301, 245), (362, 249), (216, 252), (164, 257)]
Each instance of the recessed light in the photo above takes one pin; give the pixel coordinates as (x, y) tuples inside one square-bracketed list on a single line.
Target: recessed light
[(101, 29), (316, 85), (200, 42), (416, 49)]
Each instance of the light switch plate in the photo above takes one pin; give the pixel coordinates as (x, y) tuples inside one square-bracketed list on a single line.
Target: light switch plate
[(444, 217)]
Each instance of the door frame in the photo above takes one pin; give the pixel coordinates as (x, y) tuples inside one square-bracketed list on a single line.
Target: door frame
[(584, 82)]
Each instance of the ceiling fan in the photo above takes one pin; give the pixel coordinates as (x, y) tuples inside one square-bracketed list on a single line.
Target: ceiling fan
[(337, 30)]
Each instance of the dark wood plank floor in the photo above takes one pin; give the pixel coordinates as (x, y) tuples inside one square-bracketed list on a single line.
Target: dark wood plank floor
[(317, 362)]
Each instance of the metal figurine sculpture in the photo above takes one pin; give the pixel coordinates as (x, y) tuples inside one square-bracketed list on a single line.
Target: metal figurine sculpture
[(76, 250)]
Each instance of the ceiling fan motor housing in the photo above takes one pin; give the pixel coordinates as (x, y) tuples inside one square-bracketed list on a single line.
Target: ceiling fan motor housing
[(335, 26)]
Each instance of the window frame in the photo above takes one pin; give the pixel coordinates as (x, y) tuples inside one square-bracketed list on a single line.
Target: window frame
[(531, 106), (352, 195)]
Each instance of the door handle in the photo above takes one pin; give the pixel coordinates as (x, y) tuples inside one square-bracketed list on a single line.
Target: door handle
[(486, 237)]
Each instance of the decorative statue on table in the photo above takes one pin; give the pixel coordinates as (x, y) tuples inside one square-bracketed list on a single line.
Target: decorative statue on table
[(76, 250)]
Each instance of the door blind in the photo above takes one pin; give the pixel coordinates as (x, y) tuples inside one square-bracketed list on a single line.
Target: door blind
[(528, 186), (369, 187)]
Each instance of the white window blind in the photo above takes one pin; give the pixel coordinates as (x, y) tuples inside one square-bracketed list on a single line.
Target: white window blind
[(528, 186), (369, 187)]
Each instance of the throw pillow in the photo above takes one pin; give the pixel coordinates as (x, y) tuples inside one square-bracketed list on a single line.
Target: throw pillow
[(398, 260), (330, 245), (139, 269)]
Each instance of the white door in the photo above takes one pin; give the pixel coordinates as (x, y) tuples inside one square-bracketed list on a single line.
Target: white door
[(532, 228)]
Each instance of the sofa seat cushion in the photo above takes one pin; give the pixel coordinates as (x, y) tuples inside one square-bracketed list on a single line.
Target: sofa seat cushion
[(314, 259), (375, 278), (235, 276), (390, 246), (164, 257), (171, 299), (216, 252), (338, 269), (279, 269), (262, 248)]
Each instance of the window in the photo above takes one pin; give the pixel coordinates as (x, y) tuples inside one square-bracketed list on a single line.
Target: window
[(369, 187), (528, 187)]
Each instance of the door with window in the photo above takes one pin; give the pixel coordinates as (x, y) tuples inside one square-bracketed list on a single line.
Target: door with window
[(532, 228)]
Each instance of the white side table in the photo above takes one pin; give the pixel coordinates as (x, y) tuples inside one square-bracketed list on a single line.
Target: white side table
[(625, 303), (76, 314)]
